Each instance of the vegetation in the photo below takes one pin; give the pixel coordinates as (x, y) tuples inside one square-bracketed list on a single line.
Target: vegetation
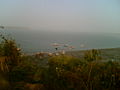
[(63, 72), (92, 55)]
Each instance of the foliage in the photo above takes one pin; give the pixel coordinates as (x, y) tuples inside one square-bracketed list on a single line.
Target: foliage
[(66, 73), (10, 52), (59, 66), (63, 74), (10, 56), (92, 55)]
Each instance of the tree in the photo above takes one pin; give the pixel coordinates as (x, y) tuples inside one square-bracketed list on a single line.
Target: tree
[(92, 55)]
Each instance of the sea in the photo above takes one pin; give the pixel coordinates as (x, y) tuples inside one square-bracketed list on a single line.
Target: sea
[(32, 41)]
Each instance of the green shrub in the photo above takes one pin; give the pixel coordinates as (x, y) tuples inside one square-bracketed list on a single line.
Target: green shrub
[(10, 51), (92, 55)]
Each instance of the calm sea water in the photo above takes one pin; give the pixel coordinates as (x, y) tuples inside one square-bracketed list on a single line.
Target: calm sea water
[(34, 41)]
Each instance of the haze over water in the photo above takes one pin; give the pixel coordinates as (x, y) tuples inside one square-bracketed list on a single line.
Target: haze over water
[(42, 41)]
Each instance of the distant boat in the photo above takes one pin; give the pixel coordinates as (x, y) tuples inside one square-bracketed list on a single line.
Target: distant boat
[(66, 45), (55, 44), (71, 47)]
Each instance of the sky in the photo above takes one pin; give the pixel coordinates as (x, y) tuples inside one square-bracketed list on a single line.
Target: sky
[(62, 15)]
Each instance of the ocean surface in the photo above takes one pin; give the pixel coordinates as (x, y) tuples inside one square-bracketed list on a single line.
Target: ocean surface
[(35, 40)]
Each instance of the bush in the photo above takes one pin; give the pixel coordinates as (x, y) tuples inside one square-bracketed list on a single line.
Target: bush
[(92, 55), (66, 73), (10, 52)]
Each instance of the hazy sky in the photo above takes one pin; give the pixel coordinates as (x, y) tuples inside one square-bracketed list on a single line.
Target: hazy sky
[(62, 15)]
